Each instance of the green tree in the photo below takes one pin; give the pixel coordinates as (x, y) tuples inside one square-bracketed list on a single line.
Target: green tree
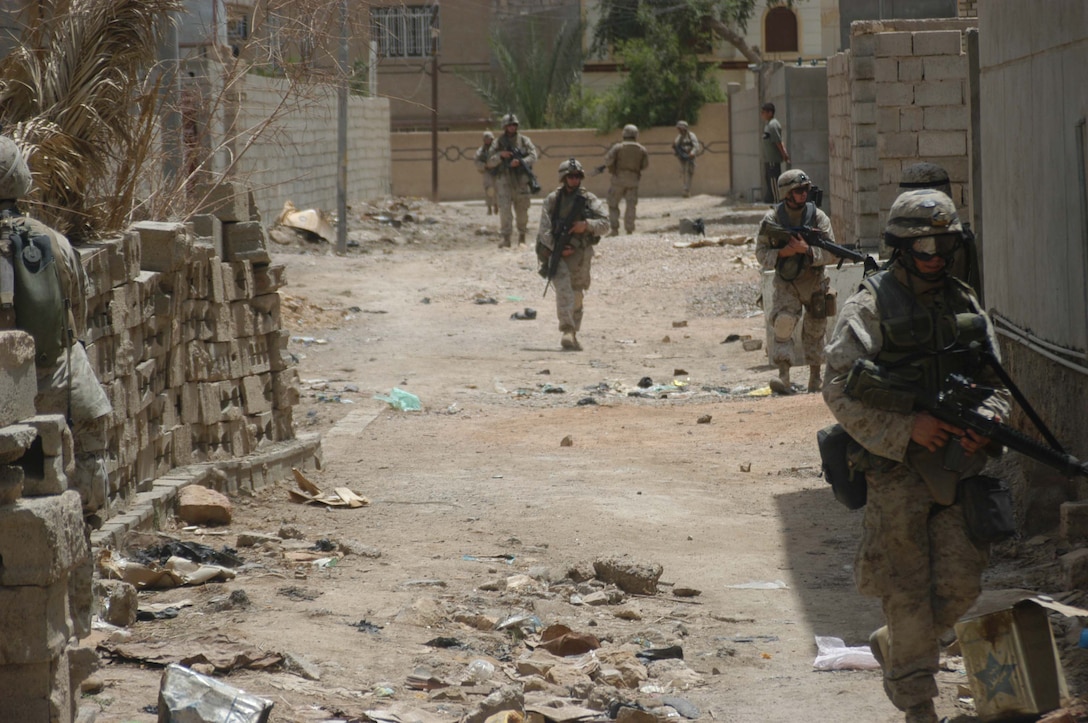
[(726, 19), (535, 74), (664, 78)]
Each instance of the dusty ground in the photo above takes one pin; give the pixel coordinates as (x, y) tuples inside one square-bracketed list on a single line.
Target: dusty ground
[(477, 490)]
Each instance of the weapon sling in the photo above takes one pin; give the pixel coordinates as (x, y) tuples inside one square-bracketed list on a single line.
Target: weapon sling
[(561, 230)]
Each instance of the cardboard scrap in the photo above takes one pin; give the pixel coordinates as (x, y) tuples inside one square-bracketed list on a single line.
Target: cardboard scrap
[(176, 572), (310, 493)]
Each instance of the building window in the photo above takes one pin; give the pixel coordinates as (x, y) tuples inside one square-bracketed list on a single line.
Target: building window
[(780, 31), (237, 33), (405, 31)]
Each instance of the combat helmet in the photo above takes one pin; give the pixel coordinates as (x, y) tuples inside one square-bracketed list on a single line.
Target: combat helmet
[(925, 175), (682, 125), (921, 212), (630, 131), (510, 120), (569, 166), (791, 179), (489, 136), (14, 173)]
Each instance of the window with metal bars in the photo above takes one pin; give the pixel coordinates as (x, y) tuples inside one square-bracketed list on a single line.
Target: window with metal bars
[(405, 31)]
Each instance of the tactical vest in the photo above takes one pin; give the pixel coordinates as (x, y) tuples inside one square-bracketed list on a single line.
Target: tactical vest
[(788, 268), (629, 157), (924, 344), (30, 283)]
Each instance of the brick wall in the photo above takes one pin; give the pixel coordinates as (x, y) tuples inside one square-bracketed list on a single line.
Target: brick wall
[(897, 97)]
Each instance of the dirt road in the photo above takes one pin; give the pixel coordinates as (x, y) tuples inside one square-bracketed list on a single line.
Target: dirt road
[(478, 512)]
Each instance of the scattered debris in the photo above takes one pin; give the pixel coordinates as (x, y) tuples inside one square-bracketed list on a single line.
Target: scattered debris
[(402, 400), (525, 315), (834, 654), (310, 493), (704, 419), (567, 441), (187, 695), (752, 344)]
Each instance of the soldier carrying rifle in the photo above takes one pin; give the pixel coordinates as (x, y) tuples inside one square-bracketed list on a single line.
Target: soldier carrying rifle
[(799, 280), (511, 158)]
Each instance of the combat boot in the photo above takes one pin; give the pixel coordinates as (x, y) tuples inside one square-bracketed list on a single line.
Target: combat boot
[(878, 643), (921, 713), (568, 341), (505, 243), (521, 239), (781, 383), (815, 384)]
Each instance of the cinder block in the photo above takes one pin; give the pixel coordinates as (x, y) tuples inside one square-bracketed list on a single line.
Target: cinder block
[(898, 145), (227, 201), (51, 428), (164, 246), (939, 92), (863, 44), (19, 382), (239, 284), (35, 622), (210, 228), (863, 68), (894, 44), (45, 475), (910, 69), (910, 119), (267, 279), (895, 94), (245, 240), (1073, 521), (942, 143), (15, 441), (886, 70), (1075, 569), (945, 67), (938, 42), (946, 118), (41, 538)]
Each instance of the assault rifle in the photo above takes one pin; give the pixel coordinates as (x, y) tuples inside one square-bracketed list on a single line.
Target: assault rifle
[(816, 238), (561, 235), (682, 154), (957, 404), (534, 185)]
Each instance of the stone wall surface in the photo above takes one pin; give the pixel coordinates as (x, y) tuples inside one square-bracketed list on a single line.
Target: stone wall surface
[(184, 333), (897, 97)]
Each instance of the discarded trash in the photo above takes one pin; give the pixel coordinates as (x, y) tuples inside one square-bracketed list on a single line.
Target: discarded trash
[(833, 654), (522, 622), (645, 382), (444, 642), (486, 300), (310, 493), (312, 220), (704, 419), (402, 400), (586, 402), (552, 389), (479, 671), (761, 392), (365, 626), (174, 572), (423, 679), (671, 652), (195, 698), (525, 315), (505, 558), (731, 338), (561, 641), (775, 585), (682, 706), (567, 441)]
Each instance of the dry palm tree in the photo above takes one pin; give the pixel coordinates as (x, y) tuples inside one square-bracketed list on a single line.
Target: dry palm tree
[(79, 97)]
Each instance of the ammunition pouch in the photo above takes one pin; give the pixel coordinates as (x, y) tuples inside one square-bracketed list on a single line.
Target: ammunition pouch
[(868, 383), (987, 508), (817, 304), (831, 302), (847, 482)]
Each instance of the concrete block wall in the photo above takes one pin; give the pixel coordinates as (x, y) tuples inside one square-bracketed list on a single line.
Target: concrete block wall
[(296, 157), (897, 97)]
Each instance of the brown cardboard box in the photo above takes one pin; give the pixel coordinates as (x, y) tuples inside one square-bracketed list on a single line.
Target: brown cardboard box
[(1011, 658)]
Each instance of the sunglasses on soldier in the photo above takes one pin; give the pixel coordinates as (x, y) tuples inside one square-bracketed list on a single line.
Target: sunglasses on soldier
[(927, 248)]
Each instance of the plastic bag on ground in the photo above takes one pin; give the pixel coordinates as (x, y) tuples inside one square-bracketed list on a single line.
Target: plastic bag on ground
[(402, 400), (833, 654)]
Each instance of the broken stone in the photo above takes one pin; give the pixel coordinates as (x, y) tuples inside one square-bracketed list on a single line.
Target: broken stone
[(351, 547), (509, 697), (199, 505), (581, 572), (117, 602), (567, 441), (637, 578), (752, 344)]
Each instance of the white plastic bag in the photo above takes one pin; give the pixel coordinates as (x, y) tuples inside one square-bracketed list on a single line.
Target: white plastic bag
[(832, 654)]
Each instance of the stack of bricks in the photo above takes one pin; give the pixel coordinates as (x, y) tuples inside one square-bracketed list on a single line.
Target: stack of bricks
[(45, 561), (184, 331), (897, 97)]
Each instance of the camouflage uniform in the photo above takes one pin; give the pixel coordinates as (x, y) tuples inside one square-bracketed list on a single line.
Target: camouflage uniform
[(686, 147), (791, 297), (625, 161), (67, 383), (572, 277), (490, 194), (915, 554), (512, 184)]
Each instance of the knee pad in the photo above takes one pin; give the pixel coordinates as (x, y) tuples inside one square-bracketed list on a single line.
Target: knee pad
[(784, 324)]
